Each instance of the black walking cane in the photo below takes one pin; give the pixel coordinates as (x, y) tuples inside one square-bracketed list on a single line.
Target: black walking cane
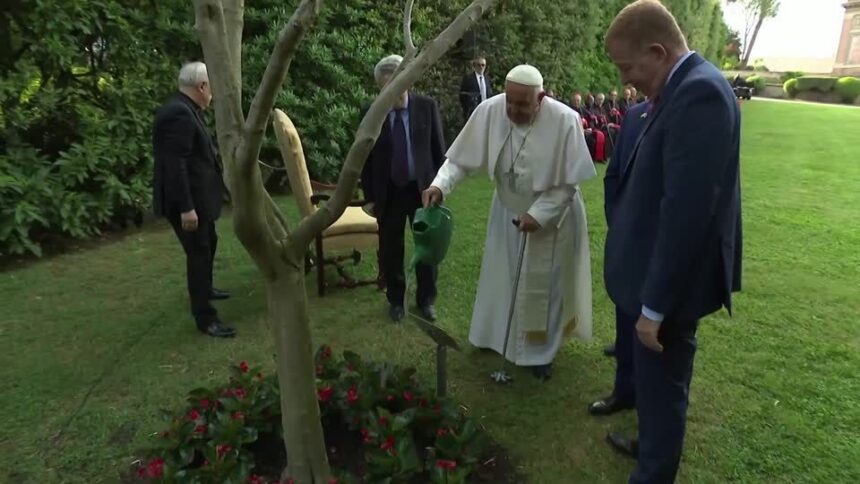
[(501, 376)]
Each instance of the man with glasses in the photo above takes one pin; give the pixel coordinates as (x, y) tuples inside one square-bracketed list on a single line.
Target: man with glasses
[(475, 87)]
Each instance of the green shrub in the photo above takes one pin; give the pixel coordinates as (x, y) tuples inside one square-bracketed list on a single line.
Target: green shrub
[(821, 84), (80, 80), (848, 89), (757, 82), (789, 75), (790, 88)]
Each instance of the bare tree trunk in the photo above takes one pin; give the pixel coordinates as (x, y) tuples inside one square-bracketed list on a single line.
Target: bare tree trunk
[(749, 47), (257, 221), (307, 461)]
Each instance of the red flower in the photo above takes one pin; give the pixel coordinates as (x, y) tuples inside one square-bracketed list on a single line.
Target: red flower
[(390, 398), (204, 403), (388, 444), (333, 480), (349, 367), (441, 432), (365, 436), (423, 403), (255, 479), (243, 367), (352, 395), (446, 464), (200, 429), (383, 421), (205, 463), (319, 370), (326, 352), (222, 450), (238, 416), (407, 395), (141, 473), (239, 393), (194, 415), (155, 468), (324, 394)]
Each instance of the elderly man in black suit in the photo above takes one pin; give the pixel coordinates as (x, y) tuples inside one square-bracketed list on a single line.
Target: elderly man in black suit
[(408, 153), (188, 189), (475, 87)]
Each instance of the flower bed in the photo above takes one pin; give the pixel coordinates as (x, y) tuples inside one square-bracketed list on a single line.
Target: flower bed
[(380, 425)]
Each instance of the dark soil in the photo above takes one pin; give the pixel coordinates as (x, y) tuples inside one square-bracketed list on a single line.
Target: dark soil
[(346, 453)]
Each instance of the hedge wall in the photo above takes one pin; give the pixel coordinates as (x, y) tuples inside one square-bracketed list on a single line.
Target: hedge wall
[(81, 78)]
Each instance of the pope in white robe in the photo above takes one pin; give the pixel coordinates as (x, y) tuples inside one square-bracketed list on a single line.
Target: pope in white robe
[(533, 149)]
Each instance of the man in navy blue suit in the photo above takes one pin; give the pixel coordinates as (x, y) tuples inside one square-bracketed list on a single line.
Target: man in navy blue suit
[(673, 248), (623, 395)]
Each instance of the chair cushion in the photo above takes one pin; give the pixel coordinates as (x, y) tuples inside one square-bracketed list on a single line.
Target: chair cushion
[(353, 221)]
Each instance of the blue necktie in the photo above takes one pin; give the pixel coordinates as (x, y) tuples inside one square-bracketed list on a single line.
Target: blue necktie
[(399, 151)]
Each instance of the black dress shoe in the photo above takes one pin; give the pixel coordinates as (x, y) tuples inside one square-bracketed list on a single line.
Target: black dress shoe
[(218, 294), (218, 329), (397, 313), (623, 445), (609, 405), (609, 350), (542, 372), (427, 312)]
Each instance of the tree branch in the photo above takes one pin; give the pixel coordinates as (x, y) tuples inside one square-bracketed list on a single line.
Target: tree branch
[(273, 79), (371, 125), (234, 20), (212, 31), (277, 221), (409, 46), (407, 28)]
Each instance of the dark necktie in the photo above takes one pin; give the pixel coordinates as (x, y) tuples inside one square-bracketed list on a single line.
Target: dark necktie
[(399, 151)]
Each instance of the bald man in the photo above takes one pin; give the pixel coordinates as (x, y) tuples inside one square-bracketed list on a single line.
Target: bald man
[(533, 148), (673, 246)]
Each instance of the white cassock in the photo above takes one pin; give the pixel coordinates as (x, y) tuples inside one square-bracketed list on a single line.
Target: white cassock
[(537, 170)]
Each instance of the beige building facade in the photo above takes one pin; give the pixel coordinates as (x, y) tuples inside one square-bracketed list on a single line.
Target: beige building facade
[(848, 56)]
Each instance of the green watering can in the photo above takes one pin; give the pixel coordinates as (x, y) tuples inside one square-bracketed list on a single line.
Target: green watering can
[(431, 231)]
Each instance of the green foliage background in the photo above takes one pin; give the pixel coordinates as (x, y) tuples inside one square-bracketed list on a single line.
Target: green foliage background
[(81, 79)]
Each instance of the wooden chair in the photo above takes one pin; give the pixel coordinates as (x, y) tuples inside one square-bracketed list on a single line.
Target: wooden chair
[(353, 232)]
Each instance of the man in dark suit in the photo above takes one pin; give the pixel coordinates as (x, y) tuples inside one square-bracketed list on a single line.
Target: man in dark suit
[(623, 395), (188, 189), (408, 153), (475, 87), (673, 248)]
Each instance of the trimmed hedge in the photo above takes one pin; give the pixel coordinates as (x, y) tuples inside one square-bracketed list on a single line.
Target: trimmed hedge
[(757, 82), (790, 88), (816, 83), (848, 89)]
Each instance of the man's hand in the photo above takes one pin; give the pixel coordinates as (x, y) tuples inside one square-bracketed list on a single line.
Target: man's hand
[(528, 224), (431, 196), (648, 331), (189, 221)]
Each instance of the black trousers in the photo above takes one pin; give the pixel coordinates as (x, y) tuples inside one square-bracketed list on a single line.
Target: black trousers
[(662, 395), (400, 207), (199, 247), (625, 337)]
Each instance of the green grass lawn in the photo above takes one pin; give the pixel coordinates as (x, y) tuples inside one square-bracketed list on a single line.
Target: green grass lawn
[(103, 335)]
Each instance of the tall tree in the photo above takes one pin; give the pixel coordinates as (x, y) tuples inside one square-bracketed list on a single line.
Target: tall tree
[(260, 226), (755, 13)]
